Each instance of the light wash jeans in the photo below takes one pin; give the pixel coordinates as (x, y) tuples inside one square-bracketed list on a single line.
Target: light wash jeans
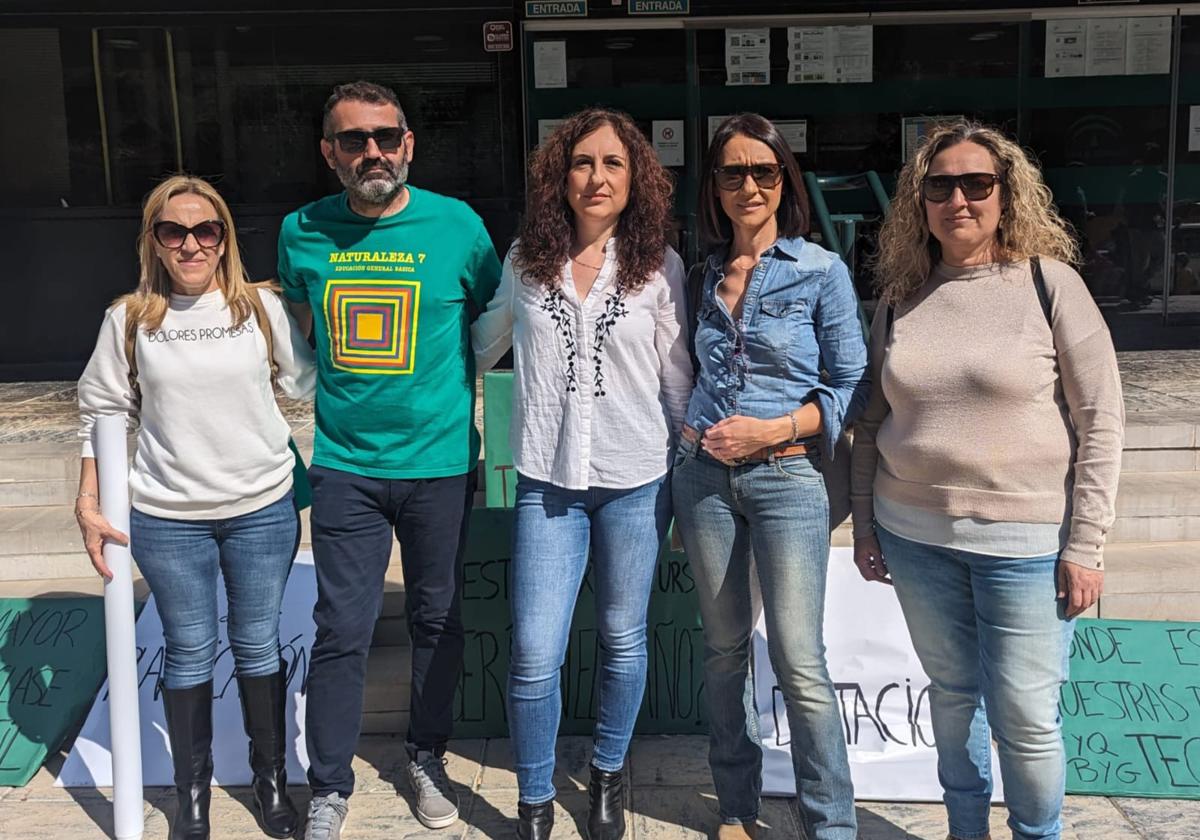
[(553, 532), (992, 638), (181, 560), (778, 512)]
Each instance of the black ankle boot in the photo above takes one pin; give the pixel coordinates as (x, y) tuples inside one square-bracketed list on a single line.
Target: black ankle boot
[(263, 711), (535, 821), (189, 726), (606, 811)]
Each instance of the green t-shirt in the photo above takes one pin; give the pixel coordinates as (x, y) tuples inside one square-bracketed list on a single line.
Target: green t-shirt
[(392, 302)]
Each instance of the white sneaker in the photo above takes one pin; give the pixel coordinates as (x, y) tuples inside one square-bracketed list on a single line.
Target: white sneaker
[(437, 804), (326, 817)]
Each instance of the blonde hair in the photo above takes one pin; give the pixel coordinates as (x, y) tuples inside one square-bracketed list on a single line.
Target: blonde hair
[(1029, 222), (147, 306)]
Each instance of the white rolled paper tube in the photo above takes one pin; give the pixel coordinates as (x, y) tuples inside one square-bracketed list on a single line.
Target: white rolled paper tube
[(112, 464)]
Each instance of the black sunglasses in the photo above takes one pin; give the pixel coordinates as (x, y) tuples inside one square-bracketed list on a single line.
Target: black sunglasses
[(172, 235), (975, 186), (354, 141), (766, 175)]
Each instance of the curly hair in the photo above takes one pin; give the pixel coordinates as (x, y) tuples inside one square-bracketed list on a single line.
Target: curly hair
[(1029, 222), (549, 224)]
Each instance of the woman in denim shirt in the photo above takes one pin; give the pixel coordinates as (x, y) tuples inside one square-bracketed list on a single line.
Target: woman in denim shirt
[(776, 312)]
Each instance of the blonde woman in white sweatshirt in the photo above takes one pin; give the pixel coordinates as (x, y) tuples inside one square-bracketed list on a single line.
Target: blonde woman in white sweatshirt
[(211, 482)]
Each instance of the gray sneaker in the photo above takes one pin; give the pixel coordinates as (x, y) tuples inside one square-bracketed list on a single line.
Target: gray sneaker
[(326, 816), (437, 804)]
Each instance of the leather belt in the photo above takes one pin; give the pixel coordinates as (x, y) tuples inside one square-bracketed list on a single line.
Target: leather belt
[(783, 450)]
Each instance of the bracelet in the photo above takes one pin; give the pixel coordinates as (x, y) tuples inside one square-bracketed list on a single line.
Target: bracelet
[(795, 426), (83, 494)]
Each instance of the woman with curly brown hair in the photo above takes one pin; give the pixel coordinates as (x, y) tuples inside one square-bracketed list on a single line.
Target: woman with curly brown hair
[(592, 302), (985, 466)]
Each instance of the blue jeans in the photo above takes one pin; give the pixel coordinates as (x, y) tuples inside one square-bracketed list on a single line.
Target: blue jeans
[(553, 530), (181, 560), (778, 513), (993, 640)]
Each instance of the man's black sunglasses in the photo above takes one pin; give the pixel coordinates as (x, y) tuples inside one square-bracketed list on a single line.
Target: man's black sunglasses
[(975, 186), (354, 141)]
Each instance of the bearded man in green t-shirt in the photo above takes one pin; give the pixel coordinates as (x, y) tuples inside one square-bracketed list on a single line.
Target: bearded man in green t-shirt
[(389, 277)]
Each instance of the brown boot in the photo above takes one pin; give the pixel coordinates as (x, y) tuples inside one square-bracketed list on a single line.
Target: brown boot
[(737, 831)]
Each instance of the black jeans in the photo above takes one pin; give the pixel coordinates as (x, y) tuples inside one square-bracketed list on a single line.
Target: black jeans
[(353, 518)]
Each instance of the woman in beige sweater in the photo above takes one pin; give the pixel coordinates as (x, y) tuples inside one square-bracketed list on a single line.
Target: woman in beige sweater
[(985, 467)]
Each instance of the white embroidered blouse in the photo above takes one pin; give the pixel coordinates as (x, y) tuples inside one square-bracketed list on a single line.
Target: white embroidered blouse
[(600, 386)]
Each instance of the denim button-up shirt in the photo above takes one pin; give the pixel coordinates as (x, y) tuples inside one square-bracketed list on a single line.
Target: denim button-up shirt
[(799, 321)]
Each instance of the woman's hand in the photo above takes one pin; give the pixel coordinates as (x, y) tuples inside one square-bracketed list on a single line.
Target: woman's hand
[(1078, 587), (737, 436), (869, 559), (96, 531)]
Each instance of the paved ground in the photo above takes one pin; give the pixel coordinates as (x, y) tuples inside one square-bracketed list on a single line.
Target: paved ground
[(670, 799)]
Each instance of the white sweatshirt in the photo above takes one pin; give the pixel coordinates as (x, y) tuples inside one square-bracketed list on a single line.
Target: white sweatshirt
[(212, 443)]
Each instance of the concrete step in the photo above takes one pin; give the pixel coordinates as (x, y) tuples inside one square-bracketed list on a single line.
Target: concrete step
[(39, 461), (1162, 494), (1159, 460), (18, 493), (1162, 435)]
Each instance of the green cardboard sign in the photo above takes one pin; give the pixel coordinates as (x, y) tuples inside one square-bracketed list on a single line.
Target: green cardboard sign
[(675, 669), (1131, 712), (500, 482), (51, 665)]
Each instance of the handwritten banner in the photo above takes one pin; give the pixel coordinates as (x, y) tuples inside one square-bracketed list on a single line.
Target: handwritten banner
[(1131, 712), (51, 662), (675, 670), (89, 763)]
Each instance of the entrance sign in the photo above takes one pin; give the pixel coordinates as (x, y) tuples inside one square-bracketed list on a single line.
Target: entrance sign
[(668, 141), (555, 8), (659, 7), (1131, 712)]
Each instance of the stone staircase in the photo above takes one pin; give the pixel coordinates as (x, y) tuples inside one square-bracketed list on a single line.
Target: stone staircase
[(1152, 556)]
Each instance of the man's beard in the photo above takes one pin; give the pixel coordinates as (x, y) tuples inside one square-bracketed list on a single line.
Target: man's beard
[(374, 182)]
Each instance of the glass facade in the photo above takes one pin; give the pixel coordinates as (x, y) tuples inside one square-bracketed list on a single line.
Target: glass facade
[(1104, 141), (103, 103)]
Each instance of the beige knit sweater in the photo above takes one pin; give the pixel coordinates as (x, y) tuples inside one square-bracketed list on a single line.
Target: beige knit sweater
[(978, 409)]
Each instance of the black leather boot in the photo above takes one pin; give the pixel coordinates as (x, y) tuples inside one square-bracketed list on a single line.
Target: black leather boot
[(535, 821), (606, 811), (189, 726), (263, 711)]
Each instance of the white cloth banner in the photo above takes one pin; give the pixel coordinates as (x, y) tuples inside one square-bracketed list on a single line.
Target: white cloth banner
[(881, 689), (89, 763)]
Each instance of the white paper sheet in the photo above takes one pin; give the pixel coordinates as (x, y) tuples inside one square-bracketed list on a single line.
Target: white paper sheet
[(545, 127), (88, 764), (1148, 46), (668, 141), (714, 122), (810, 56), (1194, 128), (795, 132), (1106, 46), (748, 56), (1066, 48), (883, 696), (550, 64), (834, 54)]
